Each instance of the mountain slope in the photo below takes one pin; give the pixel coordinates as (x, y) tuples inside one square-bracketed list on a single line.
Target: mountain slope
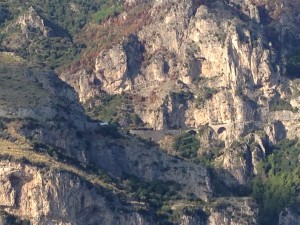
[(47, 139), (211, 86)]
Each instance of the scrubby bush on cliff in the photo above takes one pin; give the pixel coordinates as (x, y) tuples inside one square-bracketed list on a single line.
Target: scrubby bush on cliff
[(277, 185), (106, 12), (187, 145), (280, 104), (182, 97), (293, 64), (116, 109), (205, 94)]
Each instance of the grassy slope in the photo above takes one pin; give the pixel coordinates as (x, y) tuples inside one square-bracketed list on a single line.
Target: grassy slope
[(16, 89)]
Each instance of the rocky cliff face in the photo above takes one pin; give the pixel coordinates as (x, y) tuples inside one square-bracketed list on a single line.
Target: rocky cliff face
[(37, 189), (27, 26), (58, 197), (44, 196), (220, 52), (216, 63), (234, 211), (31, 21), (45, 166), (213, 69)]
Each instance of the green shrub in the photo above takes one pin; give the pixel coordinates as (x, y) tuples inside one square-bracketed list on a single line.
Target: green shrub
[(60, 12), (106, 12), (4, 15), (213, 152), (12, 219), (187, 145), (278, 184), (64, 18), (116, 109), (206, 94), (155, 192), (182, 97), (280, 104), (51, 52), (235, 144), (293, 64)]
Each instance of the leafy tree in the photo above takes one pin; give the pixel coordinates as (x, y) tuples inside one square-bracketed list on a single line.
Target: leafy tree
[(187, 145), (278, 183), (114, 109)]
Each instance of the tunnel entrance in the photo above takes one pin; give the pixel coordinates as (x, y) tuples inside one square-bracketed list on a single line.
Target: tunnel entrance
[(221, 130)]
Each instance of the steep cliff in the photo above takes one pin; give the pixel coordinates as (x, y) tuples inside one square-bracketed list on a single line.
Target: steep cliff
[(221, 64), (51, 152), (221, 52), (44, 196), (212, 87)]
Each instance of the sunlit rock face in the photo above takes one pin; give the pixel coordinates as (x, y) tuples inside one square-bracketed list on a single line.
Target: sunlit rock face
[(220, 52)]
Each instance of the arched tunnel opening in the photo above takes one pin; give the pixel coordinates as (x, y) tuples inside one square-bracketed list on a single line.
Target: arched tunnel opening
[(221, 130)]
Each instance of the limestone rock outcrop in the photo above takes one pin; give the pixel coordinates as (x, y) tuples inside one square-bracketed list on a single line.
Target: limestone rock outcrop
[(27, 26), (45, 195), (31, 21), (193, 64), (58, 197), (228, 63), (234, 212)]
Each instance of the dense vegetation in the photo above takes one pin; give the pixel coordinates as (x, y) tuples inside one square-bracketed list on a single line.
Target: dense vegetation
[(116, 109), (278, 183), (106, 12), (17, 90), (69, 16), (64, 19), (276, 186), (187, 145), (52, 52), (155, 192), (182, 97), (158, 195), (9, 219), (293, 64), (278, 104)]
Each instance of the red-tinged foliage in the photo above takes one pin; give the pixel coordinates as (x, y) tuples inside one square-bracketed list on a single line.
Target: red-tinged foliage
[(99, 37)]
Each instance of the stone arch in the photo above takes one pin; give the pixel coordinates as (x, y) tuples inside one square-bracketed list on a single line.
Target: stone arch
[(191, 132)]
